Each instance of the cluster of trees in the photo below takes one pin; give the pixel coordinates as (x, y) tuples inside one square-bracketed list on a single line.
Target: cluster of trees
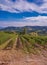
[(24, 31)]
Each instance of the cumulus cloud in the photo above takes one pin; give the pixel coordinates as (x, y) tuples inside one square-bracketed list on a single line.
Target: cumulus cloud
[(17, 6)]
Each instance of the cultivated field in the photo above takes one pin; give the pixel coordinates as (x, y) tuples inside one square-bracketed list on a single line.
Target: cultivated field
[(22, 49)]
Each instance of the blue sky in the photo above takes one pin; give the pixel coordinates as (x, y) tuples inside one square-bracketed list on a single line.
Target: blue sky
[(23, 13)]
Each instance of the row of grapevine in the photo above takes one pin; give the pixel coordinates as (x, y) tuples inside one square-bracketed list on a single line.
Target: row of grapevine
[(38, 40), (26, 45)]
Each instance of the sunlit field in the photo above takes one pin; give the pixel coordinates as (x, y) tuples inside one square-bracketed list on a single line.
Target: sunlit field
[(23, 47), (7, 39), (25, 42)]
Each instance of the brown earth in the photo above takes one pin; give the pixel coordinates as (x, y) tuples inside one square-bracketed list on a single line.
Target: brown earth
[(13, 57)]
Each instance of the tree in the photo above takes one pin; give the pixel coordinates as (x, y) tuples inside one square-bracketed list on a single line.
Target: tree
[(24, 30)]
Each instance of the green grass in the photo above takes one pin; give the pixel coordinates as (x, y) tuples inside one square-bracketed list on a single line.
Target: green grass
[(4, 37), (4, 44), (9, 46)]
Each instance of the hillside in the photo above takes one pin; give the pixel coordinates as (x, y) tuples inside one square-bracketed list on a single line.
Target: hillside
[(38, 29)]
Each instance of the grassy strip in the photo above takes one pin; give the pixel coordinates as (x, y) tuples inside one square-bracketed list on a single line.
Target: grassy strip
[(9, 45), (4, 37), (4, 44)]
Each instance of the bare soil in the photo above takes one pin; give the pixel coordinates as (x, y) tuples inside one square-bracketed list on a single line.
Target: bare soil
[(13, 57)]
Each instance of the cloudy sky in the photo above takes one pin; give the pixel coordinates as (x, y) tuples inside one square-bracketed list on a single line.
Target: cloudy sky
[(23, 13)]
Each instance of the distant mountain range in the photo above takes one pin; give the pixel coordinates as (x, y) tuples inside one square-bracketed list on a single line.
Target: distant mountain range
[(1, 27), (40, 29)]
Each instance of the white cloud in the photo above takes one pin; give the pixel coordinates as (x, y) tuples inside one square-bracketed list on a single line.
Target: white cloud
[(29, 21), (22, 5), (37, 18)]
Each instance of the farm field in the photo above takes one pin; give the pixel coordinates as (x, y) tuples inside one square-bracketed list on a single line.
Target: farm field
[(6, 39), (22, 49)]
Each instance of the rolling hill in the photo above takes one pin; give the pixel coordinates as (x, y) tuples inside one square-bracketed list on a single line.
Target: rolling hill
[(38, 29)]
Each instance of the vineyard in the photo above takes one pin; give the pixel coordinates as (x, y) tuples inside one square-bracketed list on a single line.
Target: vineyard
[(22, 49), (25, 42), (7, 40)]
